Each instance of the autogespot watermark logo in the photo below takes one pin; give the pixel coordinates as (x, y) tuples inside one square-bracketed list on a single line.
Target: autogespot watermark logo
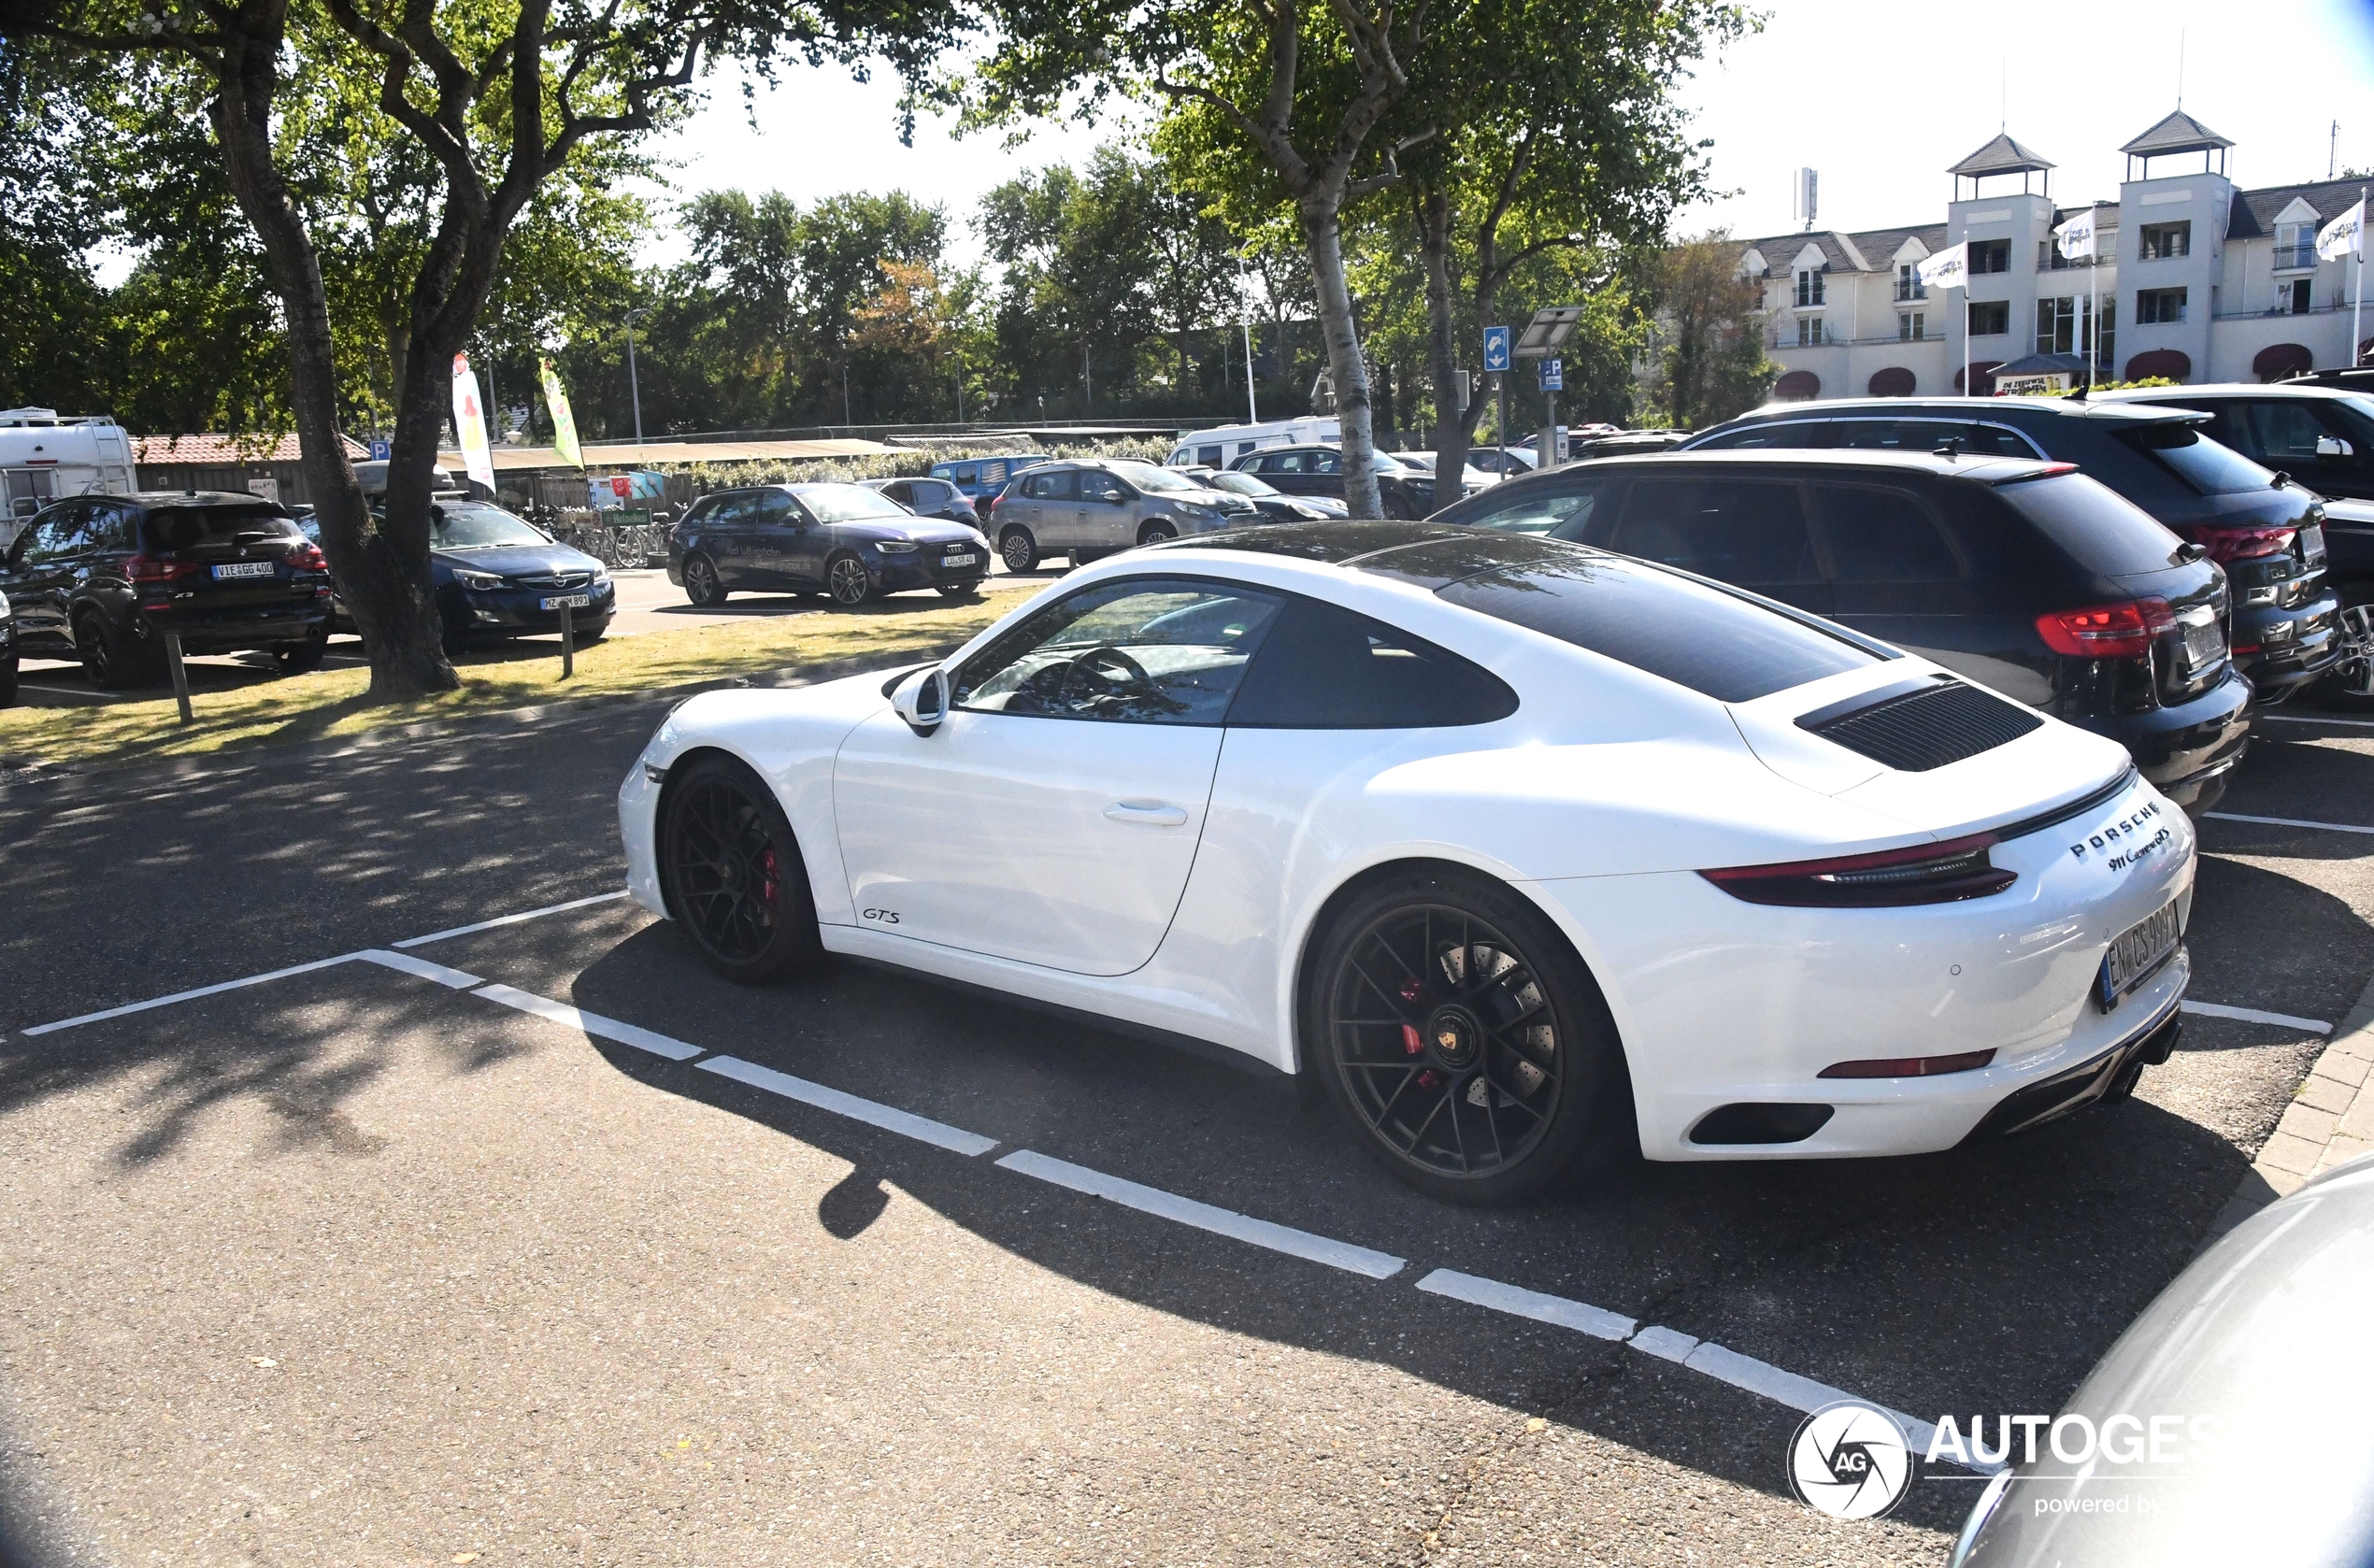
[(1851, 1460)]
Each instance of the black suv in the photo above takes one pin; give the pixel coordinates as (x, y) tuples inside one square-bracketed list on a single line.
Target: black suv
[(102, 578), (2321, 432), (1407, 491), (2268, 536), (2025, 576)]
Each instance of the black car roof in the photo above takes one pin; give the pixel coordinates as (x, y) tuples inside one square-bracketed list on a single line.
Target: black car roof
[(1984, 469), (1975, 409), (190, 498)]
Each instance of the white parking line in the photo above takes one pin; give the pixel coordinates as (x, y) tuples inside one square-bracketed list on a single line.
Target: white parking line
[(1205, 1217), (509, 920), (130, 1007), (1581, 1316), (889, 1118), (406, 963), (2251, 1015), (592, 1023), (2284, 822)]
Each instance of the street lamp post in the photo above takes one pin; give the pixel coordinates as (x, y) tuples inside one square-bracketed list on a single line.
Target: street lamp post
[(634, 387), (1244, 303)]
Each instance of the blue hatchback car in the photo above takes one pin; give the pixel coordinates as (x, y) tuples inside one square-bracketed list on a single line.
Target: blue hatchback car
[(495, 577)]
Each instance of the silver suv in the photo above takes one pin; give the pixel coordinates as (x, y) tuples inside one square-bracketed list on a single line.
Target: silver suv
[(1087, 509)]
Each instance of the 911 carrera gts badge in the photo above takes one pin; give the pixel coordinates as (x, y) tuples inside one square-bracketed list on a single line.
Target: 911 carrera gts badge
[(882, 917), (2126, 827)]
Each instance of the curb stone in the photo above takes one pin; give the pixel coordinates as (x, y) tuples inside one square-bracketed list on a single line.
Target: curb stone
[(2330, 1121)]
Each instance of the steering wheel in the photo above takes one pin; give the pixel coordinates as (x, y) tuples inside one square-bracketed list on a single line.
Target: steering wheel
[(1095, 665)]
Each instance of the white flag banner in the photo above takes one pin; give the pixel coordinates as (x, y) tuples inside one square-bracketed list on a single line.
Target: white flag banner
[(2344, 235), (2076, 236), (1946, 269), (469, 419)]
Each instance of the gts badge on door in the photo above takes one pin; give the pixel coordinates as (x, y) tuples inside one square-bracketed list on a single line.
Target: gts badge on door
[(882, 917)]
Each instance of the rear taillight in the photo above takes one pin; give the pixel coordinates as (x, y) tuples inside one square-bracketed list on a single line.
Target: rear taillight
[(307, 557), (1917, 874), (2120, 631), (149, 569), (2244, 544)]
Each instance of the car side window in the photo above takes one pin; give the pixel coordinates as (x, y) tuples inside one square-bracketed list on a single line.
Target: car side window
[(2278, 432), (1059, 486), (1324, 667), (1742, 531), (900, 491), (775, 508), (1137, 650), (1097, 485), (1281, 462), (1325, 463), (1883, 536), (734, 509), (59, 532), (113, 526), (1787, 434), (704, 510), (1563, 509)]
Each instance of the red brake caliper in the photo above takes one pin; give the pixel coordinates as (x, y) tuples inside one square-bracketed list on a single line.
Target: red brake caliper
[(1412, 995), (771, 887)]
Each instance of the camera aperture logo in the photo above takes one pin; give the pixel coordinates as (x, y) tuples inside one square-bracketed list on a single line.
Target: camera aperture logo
[(1851, 1460)]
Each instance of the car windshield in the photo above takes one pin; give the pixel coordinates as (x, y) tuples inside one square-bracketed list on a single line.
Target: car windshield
[(468, 526), (1161, 481), (847, 503), (1243, 484), (2199, 461)]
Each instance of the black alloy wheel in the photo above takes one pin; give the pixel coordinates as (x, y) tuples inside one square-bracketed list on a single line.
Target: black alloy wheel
[(1018, 549), (846, 580), (1474, 1054), (732, 874), (2350, 683), (702, 585), (108, 658), (1155, 533)]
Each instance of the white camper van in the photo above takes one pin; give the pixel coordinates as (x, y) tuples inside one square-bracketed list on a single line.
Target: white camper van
[(45, 455), (1220, 447)]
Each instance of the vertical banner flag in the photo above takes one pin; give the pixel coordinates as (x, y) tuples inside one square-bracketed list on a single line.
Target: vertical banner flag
[(564, 445), (470, 419), (1948, 269), (2344, 235), (2076, 236)]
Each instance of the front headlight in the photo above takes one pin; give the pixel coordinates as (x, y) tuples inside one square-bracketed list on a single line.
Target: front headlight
[(897, 546), (480, 581), (600, 574)]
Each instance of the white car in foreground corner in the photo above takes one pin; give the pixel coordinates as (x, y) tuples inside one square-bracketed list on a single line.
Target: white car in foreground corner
[(1527, 850)]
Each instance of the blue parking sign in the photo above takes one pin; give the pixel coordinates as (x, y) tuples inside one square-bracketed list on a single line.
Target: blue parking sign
[(1554, 375), (379, 452), (1496, 349)]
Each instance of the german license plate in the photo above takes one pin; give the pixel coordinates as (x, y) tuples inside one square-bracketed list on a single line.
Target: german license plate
[(2139, 953), (2204, 644), (2312, 544), (245, 569), (963, 558), (574, 601)]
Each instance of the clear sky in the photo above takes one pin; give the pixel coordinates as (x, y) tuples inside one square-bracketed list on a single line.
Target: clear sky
[(1879, 98)]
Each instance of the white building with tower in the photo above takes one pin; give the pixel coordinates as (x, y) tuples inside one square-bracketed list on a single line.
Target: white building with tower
[(2197, 280)]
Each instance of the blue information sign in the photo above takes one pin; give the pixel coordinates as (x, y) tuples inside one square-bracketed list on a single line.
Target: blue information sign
[(1554, 375), (1496, 349)]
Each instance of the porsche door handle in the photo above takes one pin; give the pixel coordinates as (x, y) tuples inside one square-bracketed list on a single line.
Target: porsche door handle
[(1146, 814)]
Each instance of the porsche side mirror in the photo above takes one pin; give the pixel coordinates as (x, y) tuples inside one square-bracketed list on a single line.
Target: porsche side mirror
[(2333, 445), (921, 700)]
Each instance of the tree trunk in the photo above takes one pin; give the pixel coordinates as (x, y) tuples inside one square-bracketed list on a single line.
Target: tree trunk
[(1452, 424), (386, 585), (1322, 233)]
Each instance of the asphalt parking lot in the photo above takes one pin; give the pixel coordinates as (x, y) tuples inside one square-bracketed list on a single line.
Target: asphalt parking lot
[(618, 1263)]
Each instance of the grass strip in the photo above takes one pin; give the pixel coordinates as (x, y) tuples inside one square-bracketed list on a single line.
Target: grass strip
[(269, 710)]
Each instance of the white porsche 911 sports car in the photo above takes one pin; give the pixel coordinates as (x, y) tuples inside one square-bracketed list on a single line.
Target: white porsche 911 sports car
[(1530, 852)]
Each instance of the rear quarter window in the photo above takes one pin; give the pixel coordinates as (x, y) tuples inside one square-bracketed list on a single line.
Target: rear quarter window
[(198, 527), (2093, 525), (1324, 667), (1720, 644)]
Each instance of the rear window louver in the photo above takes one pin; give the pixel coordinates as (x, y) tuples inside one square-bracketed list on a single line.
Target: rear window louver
[(1914, 727)]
